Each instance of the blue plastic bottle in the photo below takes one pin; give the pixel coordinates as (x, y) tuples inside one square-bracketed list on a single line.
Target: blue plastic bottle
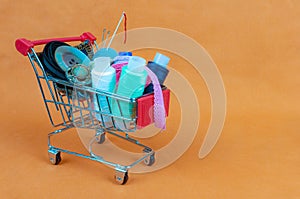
[(131, 85)]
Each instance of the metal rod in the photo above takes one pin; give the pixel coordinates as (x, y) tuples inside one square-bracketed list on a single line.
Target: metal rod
[(102, 41), (107, 35), (115, 32)]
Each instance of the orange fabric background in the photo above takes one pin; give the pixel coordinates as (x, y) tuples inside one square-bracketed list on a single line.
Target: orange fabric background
[(256, 46)]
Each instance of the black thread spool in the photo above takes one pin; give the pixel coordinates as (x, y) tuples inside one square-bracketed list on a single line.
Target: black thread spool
[(159, 67)]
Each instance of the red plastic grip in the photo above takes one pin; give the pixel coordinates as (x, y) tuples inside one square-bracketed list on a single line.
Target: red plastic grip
[(24, 46)]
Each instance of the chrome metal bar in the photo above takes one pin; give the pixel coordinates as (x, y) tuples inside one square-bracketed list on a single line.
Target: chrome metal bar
[(57, 132), (94, 139), (93, 90), (100, 109), (41, 88), (44, 73), (126, 137), (57, 100)]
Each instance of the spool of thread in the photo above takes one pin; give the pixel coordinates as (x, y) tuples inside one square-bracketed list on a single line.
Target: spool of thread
[(103, 78), (159, 67), (132, 84)]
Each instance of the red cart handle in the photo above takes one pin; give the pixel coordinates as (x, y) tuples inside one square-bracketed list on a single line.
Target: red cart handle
[(24, 46)]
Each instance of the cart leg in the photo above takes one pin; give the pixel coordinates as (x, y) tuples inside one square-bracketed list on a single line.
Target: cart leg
[(54, 156)]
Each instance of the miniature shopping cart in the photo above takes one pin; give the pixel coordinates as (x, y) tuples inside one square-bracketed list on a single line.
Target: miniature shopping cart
[(72, 106)]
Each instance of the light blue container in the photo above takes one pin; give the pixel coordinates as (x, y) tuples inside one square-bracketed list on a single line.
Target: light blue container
[(106, 52)]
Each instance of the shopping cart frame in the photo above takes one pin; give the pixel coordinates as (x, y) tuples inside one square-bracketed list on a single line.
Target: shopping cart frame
[(56, 92)]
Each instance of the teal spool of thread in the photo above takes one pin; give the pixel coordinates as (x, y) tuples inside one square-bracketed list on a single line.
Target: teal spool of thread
[(131, 84)]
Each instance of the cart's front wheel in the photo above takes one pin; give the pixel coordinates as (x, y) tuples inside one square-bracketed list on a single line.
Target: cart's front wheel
[(101, 138), (54, 157), (121, 177), (149, 161)]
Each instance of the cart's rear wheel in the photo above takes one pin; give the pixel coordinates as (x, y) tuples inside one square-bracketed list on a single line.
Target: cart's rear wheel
[(54, 157), (149, 161), (58, 158), (121, 177), (101, 138)]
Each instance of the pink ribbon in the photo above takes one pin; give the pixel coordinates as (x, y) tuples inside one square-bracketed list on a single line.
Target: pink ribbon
[(159, 107)]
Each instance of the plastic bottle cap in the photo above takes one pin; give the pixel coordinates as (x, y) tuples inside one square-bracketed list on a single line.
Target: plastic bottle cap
[(136, 64), (104, 52), (125, 53), (101, 64), (161, 60)]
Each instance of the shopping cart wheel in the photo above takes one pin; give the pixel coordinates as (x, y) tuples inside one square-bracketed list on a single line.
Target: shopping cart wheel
[(101, 138), (54, 157), (121, 177), (149, 161)]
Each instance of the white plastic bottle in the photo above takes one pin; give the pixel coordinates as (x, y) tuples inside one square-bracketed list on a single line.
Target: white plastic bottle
[(103, 78), (131, 85)]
